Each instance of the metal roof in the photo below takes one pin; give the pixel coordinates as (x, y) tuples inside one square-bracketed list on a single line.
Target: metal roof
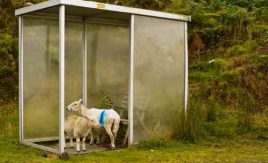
[(79, 4)]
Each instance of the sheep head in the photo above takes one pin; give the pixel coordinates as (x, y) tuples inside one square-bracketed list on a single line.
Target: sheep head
[(75, 106)]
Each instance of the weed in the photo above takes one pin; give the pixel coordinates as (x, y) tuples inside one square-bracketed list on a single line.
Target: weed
[(153, 143), (189, 125)]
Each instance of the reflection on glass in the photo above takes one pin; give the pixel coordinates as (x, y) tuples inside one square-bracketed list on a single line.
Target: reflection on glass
[(108, 64), (158, 75), (41, 80)]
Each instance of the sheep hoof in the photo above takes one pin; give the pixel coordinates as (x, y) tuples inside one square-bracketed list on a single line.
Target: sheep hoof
[(64, 156), (91, 143), (44, 155), (98, 142)]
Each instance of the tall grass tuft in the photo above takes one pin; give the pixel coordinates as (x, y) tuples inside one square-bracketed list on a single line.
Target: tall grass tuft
[(188, 125), (247, 108)]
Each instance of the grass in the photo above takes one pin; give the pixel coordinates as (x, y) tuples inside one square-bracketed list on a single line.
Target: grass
[(213, 150)]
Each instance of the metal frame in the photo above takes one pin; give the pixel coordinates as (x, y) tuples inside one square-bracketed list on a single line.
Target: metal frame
[(61, 76), (131, 82), (109, 22), (45, 139), (28, 142), (32, 143), (185, 68), (49, 149), (79, 19), (21, 133), (39, 6), (62, 20), (101, 6), (85, 62)]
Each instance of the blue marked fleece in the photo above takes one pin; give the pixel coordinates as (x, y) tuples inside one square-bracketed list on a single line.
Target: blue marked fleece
[(102, 118)]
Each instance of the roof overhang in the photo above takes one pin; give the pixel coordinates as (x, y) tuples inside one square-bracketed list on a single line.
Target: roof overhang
[(99, 6)]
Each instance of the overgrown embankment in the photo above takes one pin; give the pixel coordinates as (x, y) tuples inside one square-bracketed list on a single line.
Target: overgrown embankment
[(228, 70)]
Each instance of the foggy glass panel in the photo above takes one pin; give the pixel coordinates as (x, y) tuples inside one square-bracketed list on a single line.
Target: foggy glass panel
[(108, 65), (41, 77), (158, 75), (73, 61)]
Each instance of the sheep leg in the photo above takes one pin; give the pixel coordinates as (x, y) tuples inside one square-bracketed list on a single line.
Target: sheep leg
[(71, 142), (78, 144), (98, 136), (109, 132), (64, 142), (91, 137), (84, 144), (115, 128)]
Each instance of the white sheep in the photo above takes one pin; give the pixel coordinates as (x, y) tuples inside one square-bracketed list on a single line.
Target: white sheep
[(78, 127), (108, 118)]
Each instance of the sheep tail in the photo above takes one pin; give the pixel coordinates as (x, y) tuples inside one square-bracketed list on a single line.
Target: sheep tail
[(116, 124)]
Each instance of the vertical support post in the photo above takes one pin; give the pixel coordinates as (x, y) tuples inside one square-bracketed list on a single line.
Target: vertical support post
[(185, 70), (85, 62), (131, 82), (61, 76), (21, 135)]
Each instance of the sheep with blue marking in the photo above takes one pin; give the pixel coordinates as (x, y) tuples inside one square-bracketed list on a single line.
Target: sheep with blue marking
[(107, 118)]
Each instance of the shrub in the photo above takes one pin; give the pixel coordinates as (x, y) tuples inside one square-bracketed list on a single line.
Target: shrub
[(9, 121), (245, 48), (213, 109)]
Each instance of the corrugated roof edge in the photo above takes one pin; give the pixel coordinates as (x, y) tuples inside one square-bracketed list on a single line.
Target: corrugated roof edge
[(101, 6), (37, 7)]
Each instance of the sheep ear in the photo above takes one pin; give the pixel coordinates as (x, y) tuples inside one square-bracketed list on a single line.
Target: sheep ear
[(81, 101), (91, 120)]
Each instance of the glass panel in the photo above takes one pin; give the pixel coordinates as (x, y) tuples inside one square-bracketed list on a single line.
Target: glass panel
[(158, 75), (41, 65), (108, 65), (73, 61)]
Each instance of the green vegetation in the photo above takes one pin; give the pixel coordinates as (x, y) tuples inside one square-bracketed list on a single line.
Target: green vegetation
[(228, 73)]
